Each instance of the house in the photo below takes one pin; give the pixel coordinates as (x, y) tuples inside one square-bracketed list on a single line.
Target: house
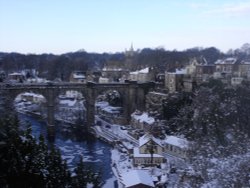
[(191, 67), (200, 70), (236, 81), (114, 73), (204, 72), (143, 75), (141, 120), (16, 77), (32, 97), (111, 114), (72, 94), (69, 109), (30, 102), (77, 76), (136, 179), (226, 67), (103, 80), (176, 146), (149, 151), (174, 80), (244, 69)]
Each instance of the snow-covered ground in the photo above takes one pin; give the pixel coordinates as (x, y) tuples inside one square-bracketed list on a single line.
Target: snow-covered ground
[(122, 162)]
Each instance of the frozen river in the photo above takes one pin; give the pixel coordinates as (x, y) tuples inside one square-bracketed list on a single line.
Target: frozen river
[(95, 153)]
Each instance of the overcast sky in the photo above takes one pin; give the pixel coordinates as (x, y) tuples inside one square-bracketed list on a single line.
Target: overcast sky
[(59, 26)]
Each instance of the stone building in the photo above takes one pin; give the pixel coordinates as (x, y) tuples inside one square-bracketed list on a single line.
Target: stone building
[(227, 67), (143, 75), (198, 71), (114, 72), (174, 80), (244, 69), (16, 77), (77, 76)]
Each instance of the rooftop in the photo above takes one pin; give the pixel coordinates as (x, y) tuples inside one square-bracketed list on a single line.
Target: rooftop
[(143, 117), (135, 177), (147, 137), (173, 140), (142, 71)]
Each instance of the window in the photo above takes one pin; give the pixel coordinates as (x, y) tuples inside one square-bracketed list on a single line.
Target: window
[(171, 148)]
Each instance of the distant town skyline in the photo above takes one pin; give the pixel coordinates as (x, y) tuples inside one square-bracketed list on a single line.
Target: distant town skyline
[(61, 26)]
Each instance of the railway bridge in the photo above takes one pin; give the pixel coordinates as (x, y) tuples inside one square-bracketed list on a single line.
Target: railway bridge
[(132, 94)]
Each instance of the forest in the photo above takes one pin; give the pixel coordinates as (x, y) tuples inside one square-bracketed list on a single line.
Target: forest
[(29, 162), (53, 67), (216, 121)]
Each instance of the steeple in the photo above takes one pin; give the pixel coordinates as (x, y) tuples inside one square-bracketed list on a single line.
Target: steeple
[(131, 48), (130, 52)]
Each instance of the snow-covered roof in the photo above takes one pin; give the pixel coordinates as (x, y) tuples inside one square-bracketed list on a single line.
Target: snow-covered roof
[(78, 76), (101, 104), (68, 102), (175, 141), (179, 71), (103, 79), (112, 109), (36, 80), (136, 153), (230, 60), (135, 177), (111, 69), (142, 71), (158, 93), (245, 62), (144, 117), (146, 138), (16, 74)]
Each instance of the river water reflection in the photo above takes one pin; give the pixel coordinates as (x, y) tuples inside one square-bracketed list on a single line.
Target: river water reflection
[(95, 153)]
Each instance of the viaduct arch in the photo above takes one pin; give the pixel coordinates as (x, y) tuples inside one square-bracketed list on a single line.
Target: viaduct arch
[(132, 93)]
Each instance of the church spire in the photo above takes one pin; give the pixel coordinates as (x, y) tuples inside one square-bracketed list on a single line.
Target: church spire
[(131, 47)]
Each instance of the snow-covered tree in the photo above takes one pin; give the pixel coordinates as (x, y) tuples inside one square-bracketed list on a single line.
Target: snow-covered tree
[(217, 123)]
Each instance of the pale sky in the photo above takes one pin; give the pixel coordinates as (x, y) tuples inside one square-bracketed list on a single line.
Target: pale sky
[(60, 26)]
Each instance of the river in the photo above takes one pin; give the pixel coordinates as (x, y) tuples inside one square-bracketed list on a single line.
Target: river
[(95, 153)]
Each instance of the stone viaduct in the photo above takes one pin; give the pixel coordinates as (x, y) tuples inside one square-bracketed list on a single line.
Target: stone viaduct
[(132, 94)]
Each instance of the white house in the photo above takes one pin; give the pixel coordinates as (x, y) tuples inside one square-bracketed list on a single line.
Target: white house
[(142, 75), (149, 151), (141, 120), (16, 77), (176, 146), (77, 76), (103, 80)]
